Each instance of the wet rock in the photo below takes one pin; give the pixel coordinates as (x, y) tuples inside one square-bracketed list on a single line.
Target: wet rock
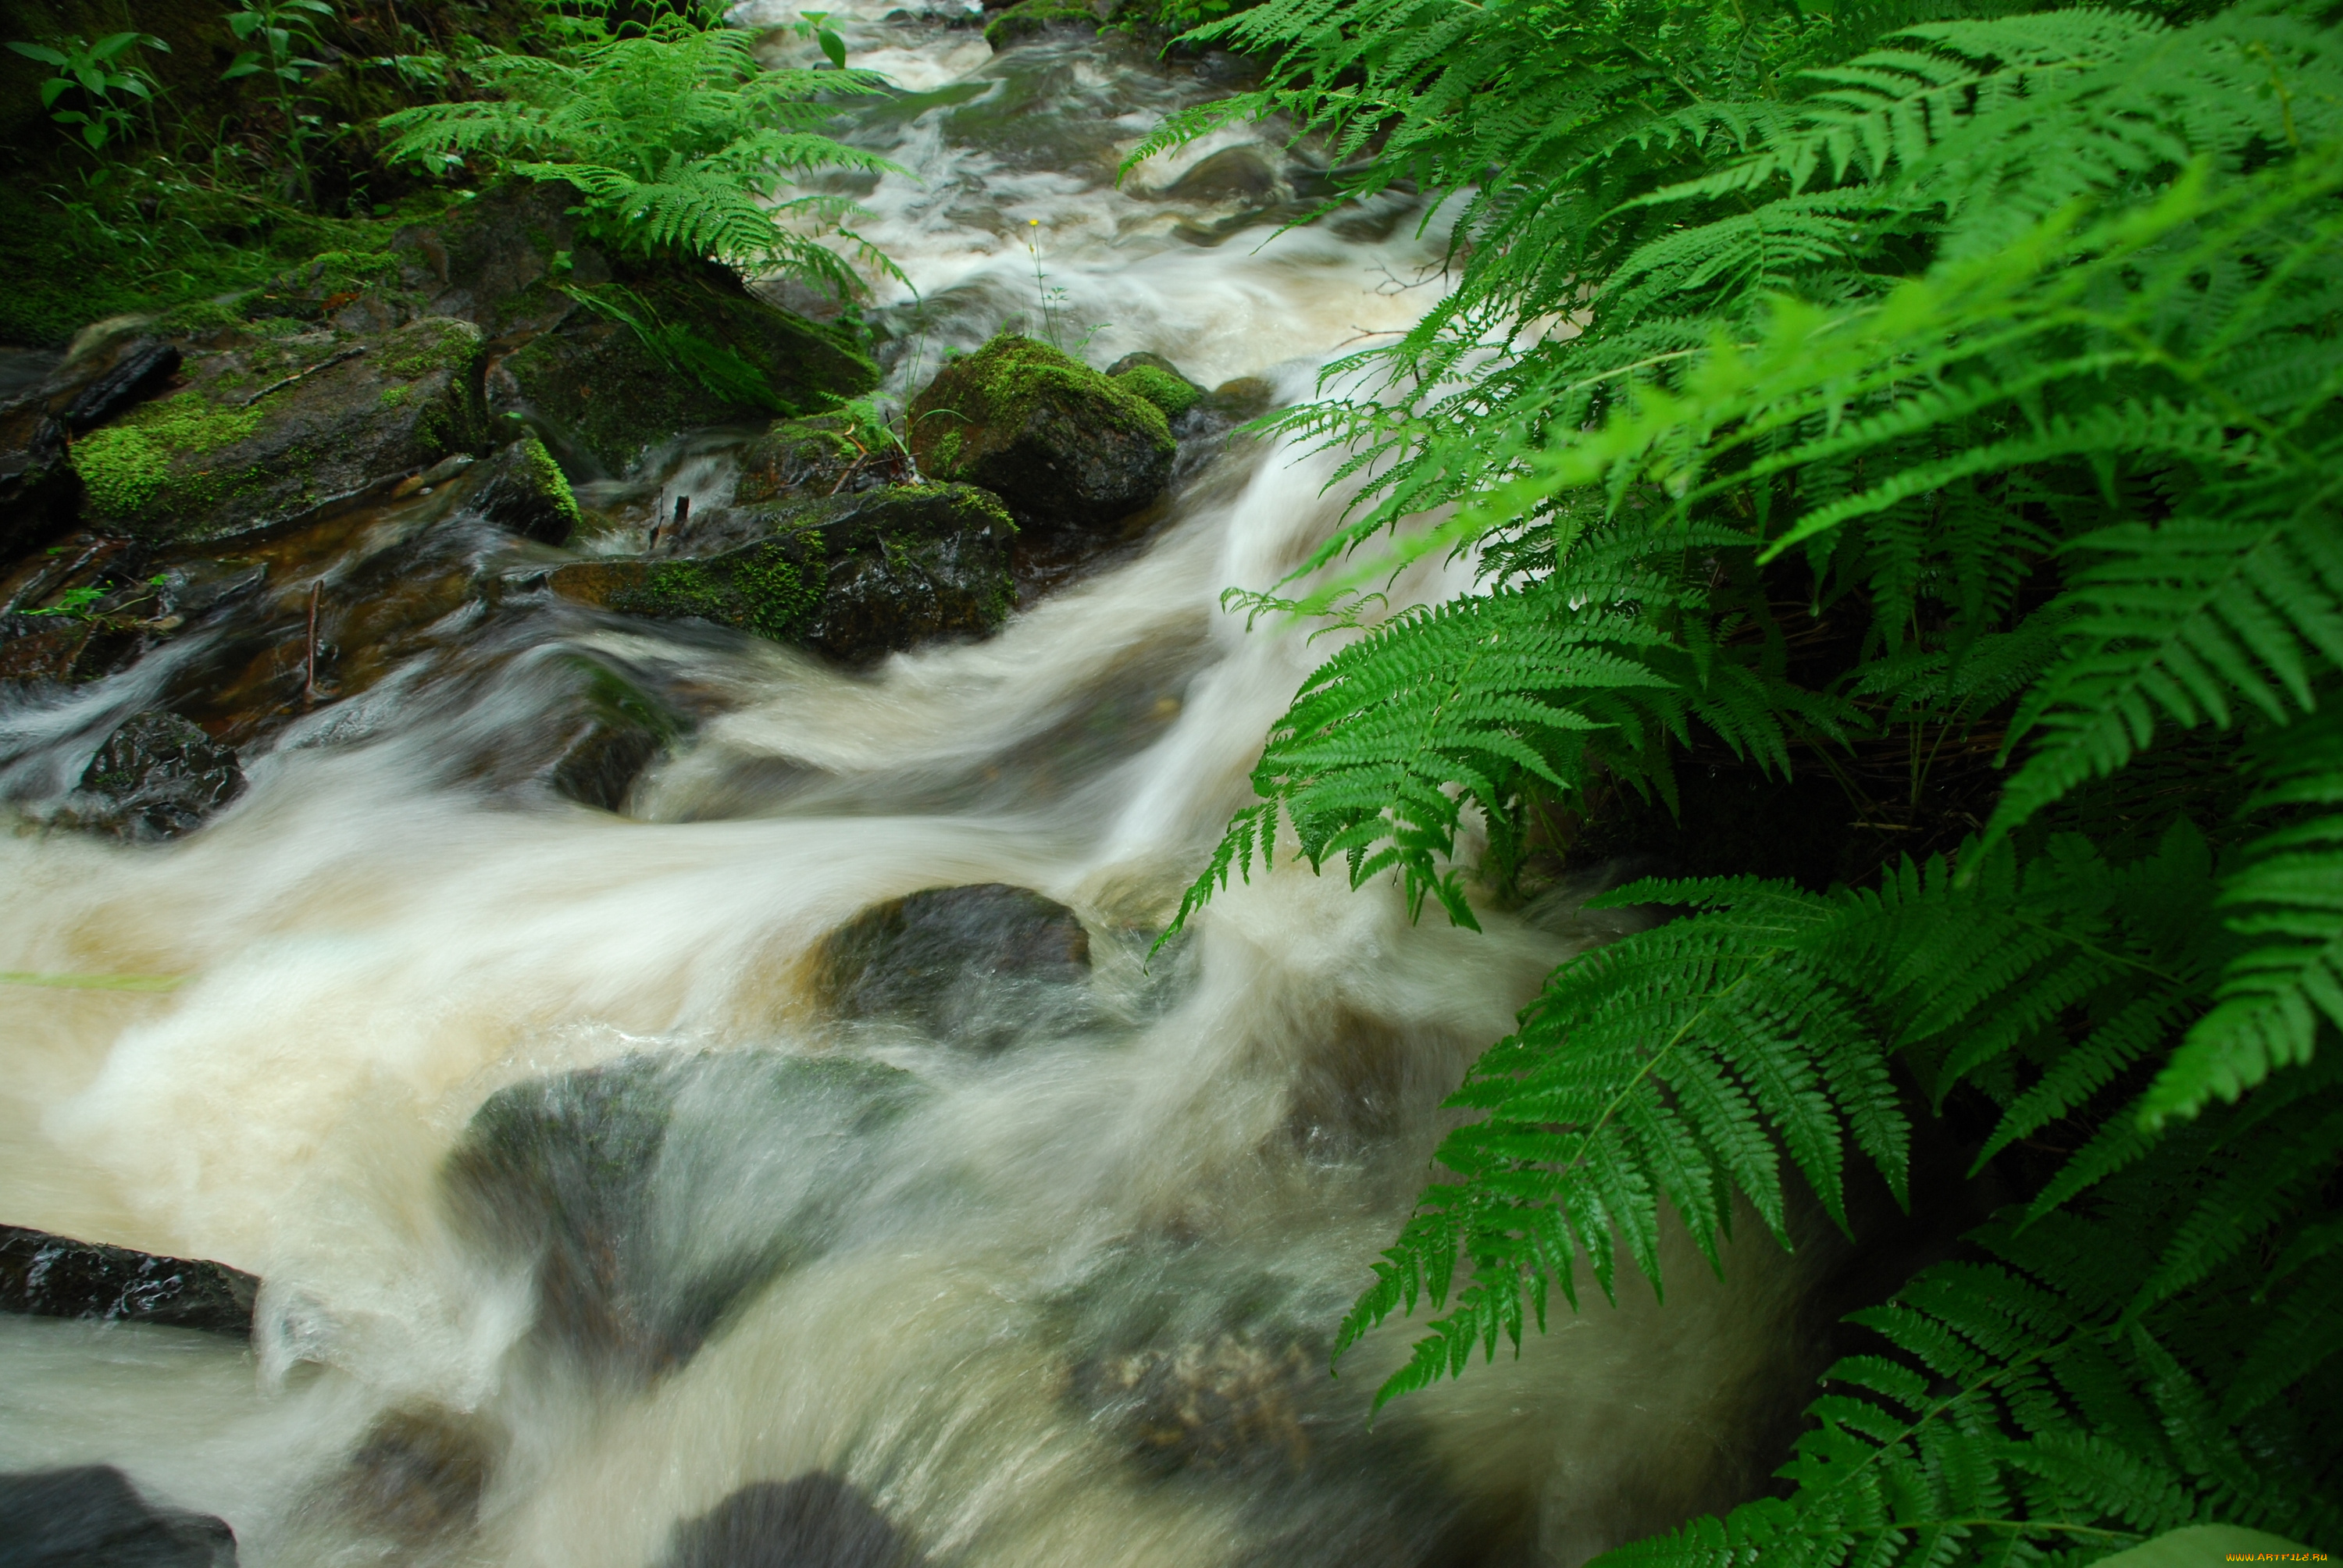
[(156, 777), (1246, 398), (980, 965), (815, 456), (52, 1277), (1030, 19), (654, 1192), (1064, 447), (1158, 381), (418, 1473), (1229, 1403), (852, 576), (619, 730), (521, 487), (92, 1517), (272, 428), (39, 491), (815, 1521), (1238, 174), (145, 367), (742, 360), (63, 648)]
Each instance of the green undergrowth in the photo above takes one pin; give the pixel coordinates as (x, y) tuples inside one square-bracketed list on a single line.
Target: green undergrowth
[(127, 465)]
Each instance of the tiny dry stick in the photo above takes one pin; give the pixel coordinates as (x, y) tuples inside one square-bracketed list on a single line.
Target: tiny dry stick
[(312, 370), (309, 677)]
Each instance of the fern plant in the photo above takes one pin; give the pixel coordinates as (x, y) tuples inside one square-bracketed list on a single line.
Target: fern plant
[(676, 140), (1821, 386)]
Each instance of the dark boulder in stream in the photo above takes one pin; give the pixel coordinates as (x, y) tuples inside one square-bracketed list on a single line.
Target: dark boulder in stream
[(655, 1191), (815, 1521), (52, 1277), (852, 576), (523, 488), (980, 965), (156, 777), (91, 1516), (1066, 447)]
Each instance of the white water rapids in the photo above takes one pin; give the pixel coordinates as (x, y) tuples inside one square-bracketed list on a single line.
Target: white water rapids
[(1074, 1300)]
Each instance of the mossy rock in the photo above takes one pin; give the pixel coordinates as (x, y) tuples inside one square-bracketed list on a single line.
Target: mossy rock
[(1030, 19), (1065, 446), (235, 453), (854, 577), (524, 490), (614, 396), (793, 455), (1158, 381)]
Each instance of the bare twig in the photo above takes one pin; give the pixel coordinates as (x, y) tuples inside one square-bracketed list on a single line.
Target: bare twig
[(312, 370), (309, 678)]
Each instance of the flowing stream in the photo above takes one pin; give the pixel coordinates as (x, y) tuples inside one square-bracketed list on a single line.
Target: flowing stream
[(1050, 1280)]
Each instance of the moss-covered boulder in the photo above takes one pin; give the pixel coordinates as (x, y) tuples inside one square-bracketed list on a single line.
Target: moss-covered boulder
[(817, 454), (1030, 19), (277, 423), (670, 351), (523, 488), (1065, 446), (852, 576), (1158, 381)]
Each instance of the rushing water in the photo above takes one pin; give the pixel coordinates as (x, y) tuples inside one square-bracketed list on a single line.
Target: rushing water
[(1064, 1301)]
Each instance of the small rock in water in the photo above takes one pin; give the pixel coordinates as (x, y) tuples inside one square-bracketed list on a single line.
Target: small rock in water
[(418, 1473), (816, 1521), (1065, 446), (523, 488), (978, 964), (655, 1191), (92, 1517), (156, 777), (54, 1277)]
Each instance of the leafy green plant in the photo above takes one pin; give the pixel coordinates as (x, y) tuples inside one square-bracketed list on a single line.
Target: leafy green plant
[(676, 139), (1824, 388), (97, 72), (282, 29)]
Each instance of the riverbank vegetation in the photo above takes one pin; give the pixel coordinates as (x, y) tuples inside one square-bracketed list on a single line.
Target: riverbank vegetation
[(245, 138), (1901, 445)]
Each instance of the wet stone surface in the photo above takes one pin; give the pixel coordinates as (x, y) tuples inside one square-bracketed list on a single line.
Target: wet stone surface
[(156, 777), (655, 1193), (814, 1521), (91, 1516), (418, 1474), (979, 966), (55, 1277)]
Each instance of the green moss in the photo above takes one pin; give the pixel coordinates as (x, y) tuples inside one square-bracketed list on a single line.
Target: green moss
[(1162, 389), (198, 319), (948, 453), (1028, 18), (1012, 372), (760, 589), (129, 466), (552, 482), (435, 343), (392, 397)]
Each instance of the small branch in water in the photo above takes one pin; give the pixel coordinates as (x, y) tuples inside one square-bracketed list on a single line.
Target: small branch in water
[(312, 370), (309, 678)]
